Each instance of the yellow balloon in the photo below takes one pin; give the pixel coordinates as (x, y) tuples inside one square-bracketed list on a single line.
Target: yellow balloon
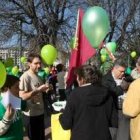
[(2, 74), (133, 54), (103, 58)]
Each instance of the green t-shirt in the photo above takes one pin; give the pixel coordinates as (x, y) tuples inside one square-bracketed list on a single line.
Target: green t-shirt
[(15, 131)]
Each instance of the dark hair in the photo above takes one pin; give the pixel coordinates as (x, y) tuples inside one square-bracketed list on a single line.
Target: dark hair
[(59, 67), (10, 81), (89, 73), (120, 62), (32, 56)]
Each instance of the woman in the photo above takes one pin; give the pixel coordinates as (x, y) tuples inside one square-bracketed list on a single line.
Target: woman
[(11, 127), (89, 107)]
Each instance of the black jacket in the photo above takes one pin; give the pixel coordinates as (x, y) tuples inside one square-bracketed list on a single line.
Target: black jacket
[(115, 91), (88, 113)]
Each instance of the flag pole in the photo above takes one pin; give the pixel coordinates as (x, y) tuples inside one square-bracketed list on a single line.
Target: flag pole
[(76, 31)]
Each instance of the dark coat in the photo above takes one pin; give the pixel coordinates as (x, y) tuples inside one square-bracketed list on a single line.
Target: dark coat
[(88, 113), (115, 91)]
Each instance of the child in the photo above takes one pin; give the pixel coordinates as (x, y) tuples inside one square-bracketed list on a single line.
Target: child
[(11, 127)]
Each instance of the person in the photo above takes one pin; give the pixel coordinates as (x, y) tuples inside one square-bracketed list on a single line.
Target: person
[(31, 89), (136, 71), (53, 77), (131, 108), (113, 82), (89, 107), (11, 126), (123, 132), (61, 81)]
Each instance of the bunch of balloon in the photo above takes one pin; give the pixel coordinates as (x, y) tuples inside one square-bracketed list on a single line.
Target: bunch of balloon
[(2, 74), (48, 54), (95, 25), (103, 56)]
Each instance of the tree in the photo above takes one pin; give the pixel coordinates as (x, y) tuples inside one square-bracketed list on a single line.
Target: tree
[(124, 20), (39, 22)]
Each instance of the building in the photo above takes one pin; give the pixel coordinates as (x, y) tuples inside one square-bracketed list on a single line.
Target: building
[(14, 53)]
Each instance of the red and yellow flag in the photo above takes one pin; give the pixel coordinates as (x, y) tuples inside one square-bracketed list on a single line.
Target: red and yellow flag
[(81, 52)]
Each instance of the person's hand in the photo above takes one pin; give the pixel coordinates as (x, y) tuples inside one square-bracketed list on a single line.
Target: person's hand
[(9, 112), (43, 88), (125, 85), (50, 87)]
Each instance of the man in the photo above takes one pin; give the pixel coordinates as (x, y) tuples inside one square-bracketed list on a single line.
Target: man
[(112, 81), (131, 107), (31, 88), (136, 71)]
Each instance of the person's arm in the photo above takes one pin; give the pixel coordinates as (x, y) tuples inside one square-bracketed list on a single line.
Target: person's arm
[(6, 120), (111, 86), (131, 104), (28, 95), (66, 118)]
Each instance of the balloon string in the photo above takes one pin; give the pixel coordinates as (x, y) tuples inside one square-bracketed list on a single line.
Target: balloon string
[(110, 54), (128, 62)]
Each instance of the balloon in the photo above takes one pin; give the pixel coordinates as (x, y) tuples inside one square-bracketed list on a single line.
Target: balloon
[(95, 25), (103, 58), (48, 54), (8, 69), (15, 70), (41, 74), (111, 46), (103, 51), (128, 70), (47, 70), (2, 74), (23, 59), (9, 62), (106, 67), (133, 54)]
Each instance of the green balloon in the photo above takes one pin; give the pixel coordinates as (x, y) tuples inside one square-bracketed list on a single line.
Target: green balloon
[(15, 70), (128, 70), (2, 74), (8, 69), (103, 51), (95, 25), (133, 54), (49, 54), (111, 46), (42, 74), (23, 59), (47, 70)]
